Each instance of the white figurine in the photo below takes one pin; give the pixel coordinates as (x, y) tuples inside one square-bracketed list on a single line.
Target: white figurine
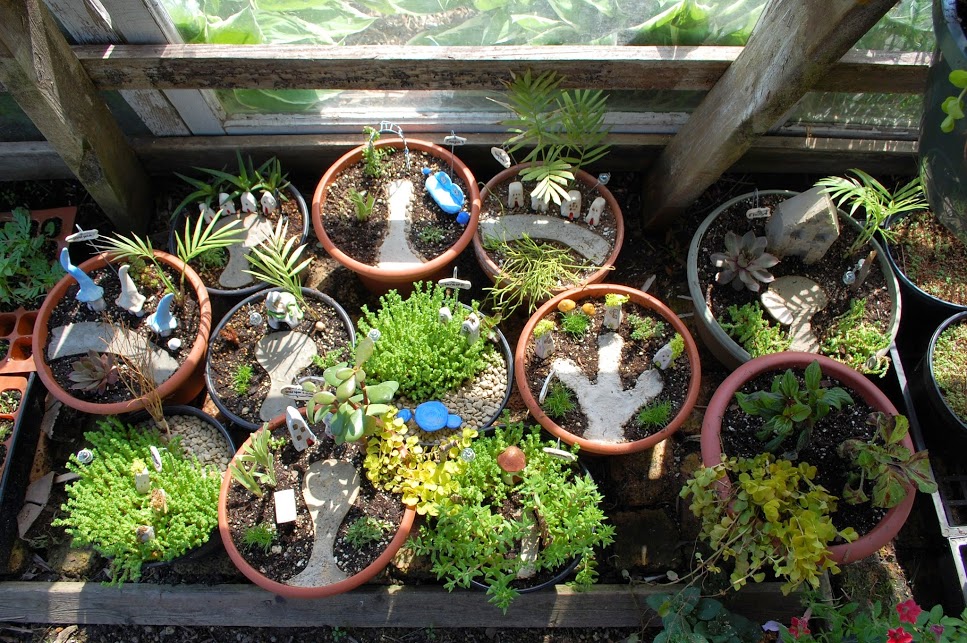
[(269, 203), (595, 211), (471, 328), (248, 203), (225, 203), (571, 206), (282, 308), (302, 436), (130, 299), (538, 204), (515, 195)]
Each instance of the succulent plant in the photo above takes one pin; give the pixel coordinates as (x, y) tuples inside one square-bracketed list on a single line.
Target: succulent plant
[(745, 261), (94, 372)]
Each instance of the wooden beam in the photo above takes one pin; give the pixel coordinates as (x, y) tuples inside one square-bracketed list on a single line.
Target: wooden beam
[(790, 51), (369, 606), (41, 72), (455, 68)]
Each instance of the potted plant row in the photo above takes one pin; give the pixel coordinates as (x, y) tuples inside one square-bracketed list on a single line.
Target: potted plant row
[(807, 465), (944, 372), (396, 211), (609, 368)]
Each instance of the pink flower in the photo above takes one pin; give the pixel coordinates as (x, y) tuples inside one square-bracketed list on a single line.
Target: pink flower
[(937, 630), (799, 626), (908, 611), (898, 635)]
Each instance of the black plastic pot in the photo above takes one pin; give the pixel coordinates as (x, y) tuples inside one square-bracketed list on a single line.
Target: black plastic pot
[(943, 157), (258, 296), (932, 390), (178, 225), (214, 541)]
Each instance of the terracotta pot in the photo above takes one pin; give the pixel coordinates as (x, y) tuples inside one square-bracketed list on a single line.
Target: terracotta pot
[(290, 591), (594, 446), (379, 280), (491, 269), (184, 384), (891, 523)]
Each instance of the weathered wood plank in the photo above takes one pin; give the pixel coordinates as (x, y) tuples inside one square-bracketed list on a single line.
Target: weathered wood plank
[(480, 68), (42, 74), (371, 606), (791, 50), (31, 160)]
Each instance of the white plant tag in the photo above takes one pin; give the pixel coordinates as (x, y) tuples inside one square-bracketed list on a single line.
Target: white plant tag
[(155, 457), (547, 385), (83, 235), (758, 213), (284, 506)]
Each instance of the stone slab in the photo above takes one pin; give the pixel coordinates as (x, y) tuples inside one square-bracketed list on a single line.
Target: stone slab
[(283, 355), (395, 253), (80, 337), (585, 242)]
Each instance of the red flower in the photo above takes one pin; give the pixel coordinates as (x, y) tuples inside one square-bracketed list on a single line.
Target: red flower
[(799, 626), (937, 630), (899, 635), (908, 611)]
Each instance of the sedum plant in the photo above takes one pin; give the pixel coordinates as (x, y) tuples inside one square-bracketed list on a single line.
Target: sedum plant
[(774, 517), (856, 342), (94, 372), (428, 358), (26, 271), (789, 410), (745, 262), (353, 406), (471, 539), (254, 465), (105, 510), (645, 327), (750, 328), (885, 463), (366, 530)]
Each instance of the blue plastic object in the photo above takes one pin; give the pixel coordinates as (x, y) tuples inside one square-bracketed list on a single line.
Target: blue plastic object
[(431, 416), (454, 421), (89, 292), (445, 192), (405, 414), (162, 321)]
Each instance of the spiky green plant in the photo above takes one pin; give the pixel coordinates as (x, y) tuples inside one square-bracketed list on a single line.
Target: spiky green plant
[(276, 261)]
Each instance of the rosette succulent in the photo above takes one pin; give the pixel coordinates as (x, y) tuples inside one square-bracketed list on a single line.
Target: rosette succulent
[(745, 261)]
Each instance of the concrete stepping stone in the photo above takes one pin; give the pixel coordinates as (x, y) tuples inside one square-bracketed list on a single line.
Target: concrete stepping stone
[(607, 405), (257, 229), (329, 489), (395, 253), (101, 337), (585, 242), (283, 355), (792, 301)]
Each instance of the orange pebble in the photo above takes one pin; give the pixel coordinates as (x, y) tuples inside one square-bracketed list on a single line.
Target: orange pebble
[(588, 309), (566, 305)]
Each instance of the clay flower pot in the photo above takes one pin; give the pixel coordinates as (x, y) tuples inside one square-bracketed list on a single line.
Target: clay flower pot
[(291, 591), (181, 387), (381, 280), (597, 292), (490, 267), (724, 396)]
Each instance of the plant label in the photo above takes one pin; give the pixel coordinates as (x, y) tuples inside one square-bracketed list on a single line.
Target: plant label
[(284, 506), (454, 141), (82, 235), (758, 213), (155, 457), (296, 392), (501, 156), (453, 282)]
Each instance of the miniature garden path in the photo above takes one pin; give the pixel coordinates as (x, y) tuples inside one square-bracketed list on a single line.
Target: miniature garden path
[(257, 229), (283, 355), (395, 253), (591, 246), (80, 337), (330, 488), (612, 405)]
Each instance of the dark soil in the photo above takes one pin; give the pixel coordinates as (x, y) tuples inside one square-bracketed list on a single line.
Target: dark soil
[(931, 257), (235, 346), (430, 230), (295, 539), (828, 271), (636, 358), (68, 310)]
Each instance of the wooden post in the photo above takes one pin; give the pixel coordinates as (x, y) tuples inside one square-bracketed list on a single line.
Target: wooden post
[(44, 76), (793, 45)]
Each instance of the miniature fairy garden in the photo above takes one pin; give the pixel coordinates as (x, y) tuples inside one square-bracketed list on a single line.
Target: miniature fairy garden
[(395, 204), (777, 271), (244, 208)]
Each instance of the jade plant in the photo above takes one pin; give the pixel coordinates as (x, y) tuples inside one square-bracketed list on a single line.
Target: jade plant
[(556, 518), (791, 411), (886, 464), (174, 513), (773, 517)]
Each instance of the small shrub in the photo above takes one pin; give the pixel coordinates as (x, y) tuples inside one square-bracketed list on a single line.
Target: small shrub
[(855, 341), (261, 535), (753, 332), (9, 401), (27, 272), (212, 259), (654, 414), (431, 234)]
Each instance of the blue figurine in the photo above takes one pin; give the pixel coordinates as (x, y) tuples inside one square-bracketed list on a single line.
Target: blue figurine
[(90, 293), (162, 321), (447, 194)]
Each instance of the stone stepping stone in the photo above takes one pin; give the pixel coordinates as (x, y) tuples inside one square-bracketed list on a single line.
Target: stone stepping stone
[(395, 252), (605, 403), (283, 355), (101, 337), (257, 229), (510, 227), (793, 301), (329, 489)]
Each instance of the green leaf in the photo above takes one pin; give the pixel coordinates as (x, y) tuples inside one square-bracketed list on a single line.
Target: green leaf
[(364, 350), (381, 393), (958, 78)]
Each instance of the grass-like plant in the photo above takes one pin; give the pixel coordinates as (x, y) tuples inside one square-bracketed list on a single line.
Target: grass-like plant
[(575, 323), (26, 272), (950, 367), (428, 358), (644, 328), (654, 414), (242, 379), (472, 539), (366, 530), (254, 465), (104, 509), (261, 535), (276, 261), (855, 341), (751, 330), (559, 401), (878, 203)]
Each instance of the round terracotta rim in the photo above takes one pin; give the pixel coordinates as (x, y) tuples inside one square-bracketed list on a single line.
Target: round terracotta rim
[(594, 446), (492, 270), (169, 387), (399, 275), (290, 591), (894, 519)]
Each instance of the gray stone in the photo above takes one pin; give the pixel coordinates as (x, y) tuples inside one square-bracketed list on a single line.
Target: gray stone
[(257, 229), (588, 243), (329, 489), (645, 541), (395, 253), (804, 226), (283, 355), (80, 337), (792, 301)]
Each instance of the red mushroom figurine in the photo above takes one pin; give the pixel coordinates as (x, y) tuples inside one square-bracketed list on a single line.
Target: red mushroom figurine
[(512, 461)]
